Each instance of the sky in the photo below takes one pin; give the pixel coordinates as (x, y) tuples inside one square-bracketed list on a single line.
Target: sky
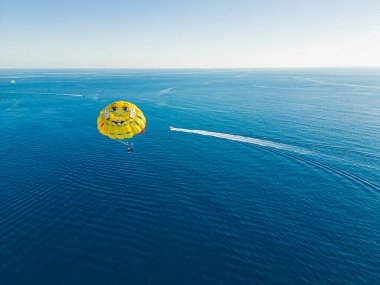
[(189, 34)]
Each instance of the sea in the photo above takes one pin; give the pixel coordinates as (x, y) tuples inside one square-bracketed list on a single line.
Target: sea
[(243, 176)]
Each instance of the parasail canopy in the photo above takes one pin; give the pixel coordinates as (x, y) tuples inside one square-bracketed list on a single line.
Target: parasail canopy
[(121, 120)]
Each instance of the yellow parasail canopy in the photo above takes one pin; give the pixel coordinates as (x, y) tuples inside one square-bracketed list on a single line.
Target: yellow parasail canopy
[(121, 120)]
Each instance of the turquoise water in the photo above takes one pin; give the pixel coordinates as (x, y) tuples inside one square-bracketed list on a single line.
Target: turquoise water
[(270, 177)]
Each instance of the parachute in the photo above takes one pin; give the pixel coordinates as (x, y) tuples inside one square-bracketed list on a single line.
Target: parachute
[(121, 120)]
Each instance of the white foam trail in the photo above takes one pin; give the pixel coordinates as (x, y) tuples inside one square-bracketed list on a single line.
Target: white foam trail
[(237, 138), (338, 84), (48, 93), (166, 91), (282, 88), (66, 94)]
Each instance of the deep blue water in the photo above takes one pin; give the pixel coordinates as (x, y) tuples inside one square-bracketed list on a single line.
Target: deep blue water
[(185, 208)]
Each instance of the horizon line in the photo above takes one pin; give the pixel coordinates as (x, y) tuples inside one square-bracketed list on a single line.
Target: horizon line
[(204, 68)]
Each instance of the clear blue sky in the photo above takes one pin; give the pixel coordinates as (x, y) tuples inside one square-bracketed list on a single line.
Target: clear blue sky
[(207, 33)]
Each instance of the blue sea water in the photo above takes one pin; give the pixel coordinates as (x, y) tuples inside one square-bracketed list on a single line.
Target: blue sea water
[(190, 208)]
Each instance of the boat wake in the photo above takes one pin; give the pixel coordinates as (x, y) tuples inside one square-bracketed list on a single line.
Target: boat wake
[(321, 82), (250, 140), (166, 91), (48, 93)]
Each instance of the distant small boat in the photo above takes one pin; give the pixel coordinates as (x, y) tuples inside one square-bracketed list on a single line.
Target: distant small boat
[(13, 81)]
